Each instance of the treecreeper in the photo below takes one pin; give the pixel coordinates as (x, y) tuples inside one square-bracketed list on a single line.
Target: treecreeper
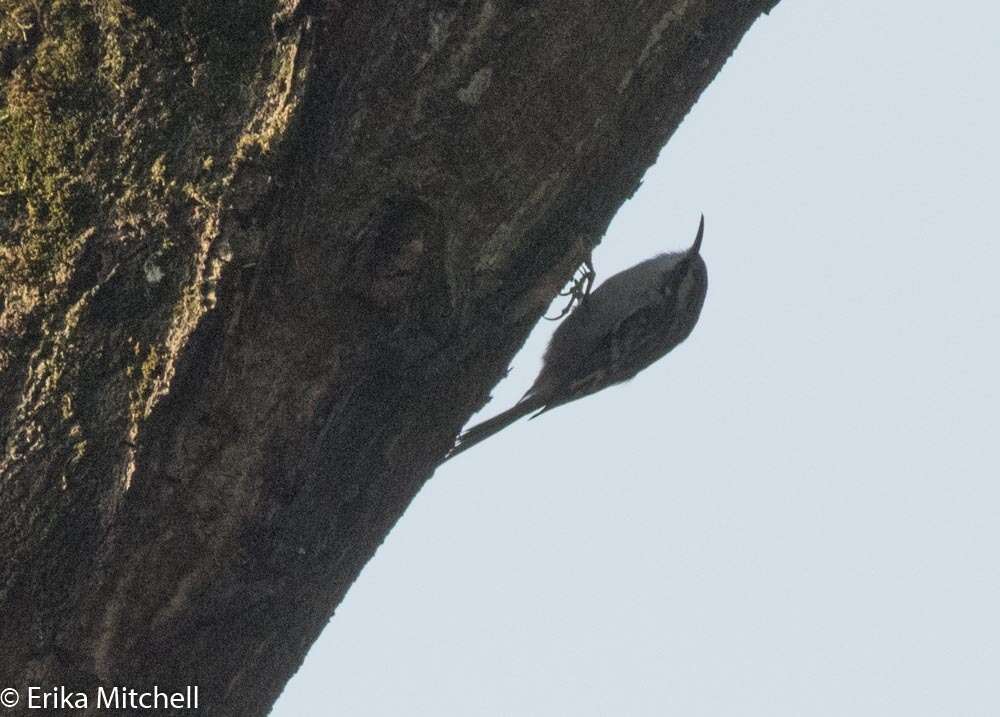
[(628, 323)]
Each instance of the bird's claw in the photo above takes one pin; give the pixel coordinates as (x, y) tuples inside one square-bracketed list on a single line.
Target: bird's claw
[(578, 290)]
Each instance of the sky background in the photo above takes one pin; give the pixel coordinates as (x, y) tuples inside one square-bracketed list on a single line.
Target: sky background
[(796, 512)]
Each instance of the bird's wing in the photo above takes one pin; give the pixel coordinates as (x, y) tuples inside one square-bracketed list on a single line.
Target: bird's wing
[(600, 313), (631, 345)]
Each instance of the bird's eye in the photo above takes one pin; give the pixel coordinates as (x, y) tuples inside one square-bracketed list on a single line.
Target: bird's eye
[(671, 282)]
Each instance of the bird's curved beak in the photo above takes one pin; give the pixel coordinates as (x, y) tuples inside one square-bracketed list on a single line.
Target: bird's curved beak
[(696, 247)]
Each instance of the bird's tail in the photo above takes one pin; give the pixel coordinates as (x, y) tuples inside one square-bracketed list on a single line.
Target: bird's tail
[(482, 431)]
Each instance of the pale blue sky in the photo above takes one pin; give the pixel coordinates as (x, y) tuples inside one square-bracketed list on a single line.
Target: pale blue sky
[(795, 513)]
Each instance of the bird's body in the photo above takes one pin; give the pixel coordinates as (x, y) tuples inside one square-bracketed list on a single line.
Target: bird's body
[(631, 320)]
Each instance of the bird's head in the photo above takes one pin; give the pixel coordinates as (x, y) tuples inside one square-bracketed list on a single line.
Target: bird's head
[(685, 276)]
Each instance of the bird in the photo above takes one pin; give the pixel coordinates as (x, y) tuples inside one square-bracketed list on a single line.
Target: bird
[(627, 323)]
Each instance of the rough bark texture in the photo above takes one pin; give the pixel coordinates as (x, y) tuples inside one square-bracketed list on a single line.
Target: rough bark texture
[(259, 261)]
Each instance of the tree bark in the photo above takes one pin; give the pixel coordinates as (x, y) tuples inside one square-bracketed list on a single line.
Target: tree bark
[(259, 261)]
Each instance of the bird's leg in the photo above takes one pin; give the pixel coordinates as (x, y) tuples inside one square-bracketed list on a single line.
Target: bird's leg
[(589, 274), (579, 290)]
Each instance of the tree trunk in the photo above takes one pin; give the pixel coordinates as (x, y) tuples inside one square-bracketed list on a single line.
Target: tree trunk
[(259, 261)]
